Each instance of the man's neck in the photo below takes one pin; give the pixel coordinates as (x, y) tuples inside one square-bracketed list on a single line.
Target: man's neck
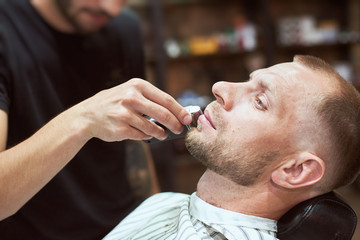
[(258, 200), (48, 10)]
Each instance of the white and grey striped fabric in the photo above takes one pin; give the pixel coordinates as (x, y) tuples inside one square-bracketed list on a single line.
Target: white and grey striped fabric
[(181, 216)]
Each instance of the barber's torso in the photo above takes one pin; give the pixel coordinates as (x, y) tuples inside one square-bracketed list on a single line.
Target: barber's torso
[(42, 73)]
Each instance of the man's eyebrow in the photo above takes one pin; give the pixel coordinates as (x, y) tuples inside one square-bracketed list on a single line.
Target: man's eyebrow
[(264, 82)]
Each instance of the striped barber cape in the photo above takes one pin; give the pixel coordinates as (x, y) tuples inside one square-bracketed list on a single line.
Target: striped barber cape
[(181, 216)]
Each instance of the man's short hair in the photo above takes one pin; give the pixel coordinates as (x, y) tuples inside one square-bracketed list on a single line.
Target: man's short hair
[(339, 114)]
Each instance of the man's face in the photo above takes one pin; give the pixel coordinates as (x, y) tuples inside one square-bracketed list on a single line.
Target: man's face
[(88, 16), (252, 124)]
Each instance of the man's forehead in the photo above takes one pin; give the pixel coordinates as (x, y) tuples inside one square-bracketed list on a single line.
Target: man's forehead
[(288, 73), (285, 80), (281, 68)]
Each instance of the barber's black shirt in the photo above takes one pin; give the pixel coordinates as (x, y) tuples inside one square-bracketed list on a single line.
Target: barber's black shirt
[(42, 73)]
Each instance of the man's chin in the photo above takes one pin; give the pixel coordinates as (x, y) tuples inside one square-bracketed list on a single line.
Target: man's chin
[(191, 138), (196, 145)]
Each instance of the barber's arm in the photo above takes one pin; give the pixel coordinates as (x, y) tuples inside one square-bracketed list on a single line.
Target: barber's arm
[(115, 114)]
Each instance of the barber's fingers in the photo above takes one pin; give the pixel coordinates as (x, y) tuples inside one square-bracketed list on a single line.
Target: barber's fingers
[(146, 127), (134, 134), (114, 113), (167, 110), (127, 124), (161, 114)]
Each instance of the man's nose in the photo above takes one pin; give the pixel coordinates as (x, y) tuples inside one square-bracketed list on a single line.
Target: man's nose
[(224, 93)]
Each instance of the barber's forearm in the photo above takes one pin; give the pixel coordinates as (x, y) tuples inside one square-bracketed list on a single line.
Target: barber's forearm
[(30, 165), (114, 114)]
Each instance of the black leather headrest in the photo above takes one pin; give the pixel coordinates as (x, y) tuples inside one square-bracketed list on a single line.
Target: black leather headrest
[(326, 217)]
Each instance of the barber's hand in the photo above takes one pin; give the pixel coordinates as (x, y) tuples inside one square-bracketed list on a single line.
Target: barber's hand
[(118, 113)]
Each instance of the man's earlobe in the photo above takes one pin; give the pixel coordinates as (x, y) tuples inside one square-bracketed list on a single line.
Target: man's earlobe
[(302, 170)]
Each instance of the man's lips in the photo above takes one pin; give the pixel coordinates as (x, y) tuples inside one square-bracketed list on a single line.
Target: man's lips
[(206, 118)]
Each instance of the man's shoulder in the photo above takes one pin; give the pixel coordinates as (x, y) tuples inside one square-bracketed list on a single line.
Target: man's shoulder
[(158, 216), (166, 198), (170, 195), (169, 203), (163, 205)]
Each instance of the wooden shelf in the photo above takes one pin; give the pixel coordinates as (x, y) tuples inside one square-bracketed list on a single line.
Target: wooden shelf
[(319, 45), (225, 55)]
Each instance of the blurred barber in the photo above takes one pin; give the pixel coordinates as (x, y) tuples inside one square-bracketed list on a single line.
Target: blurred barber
[(70, 93)]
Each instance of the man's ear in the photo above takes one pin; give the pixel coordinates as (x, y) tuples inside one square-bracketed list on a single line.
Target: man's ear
[(303, 169)]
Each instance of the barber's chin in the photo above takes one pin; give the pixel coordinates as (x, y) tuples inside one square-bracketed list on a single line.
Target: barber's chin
[(88, 31), (88, 28)]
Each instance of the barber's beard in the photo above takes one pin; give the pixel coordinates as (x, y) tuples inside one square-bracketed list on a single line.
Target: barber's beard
[(240, 164), (64, 7)]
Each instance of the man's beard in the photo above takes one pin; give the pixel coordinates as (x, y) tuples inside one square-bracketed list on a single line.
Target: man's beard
[(243, 165)]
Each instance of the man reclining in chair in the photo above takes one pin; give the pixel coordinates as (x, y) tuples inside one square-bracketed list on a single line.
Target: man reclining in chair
[(288, 134)]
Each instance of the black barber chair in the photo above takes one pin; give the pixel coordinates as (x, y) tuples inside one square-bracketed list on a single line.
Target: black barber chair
[(326, 217)]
